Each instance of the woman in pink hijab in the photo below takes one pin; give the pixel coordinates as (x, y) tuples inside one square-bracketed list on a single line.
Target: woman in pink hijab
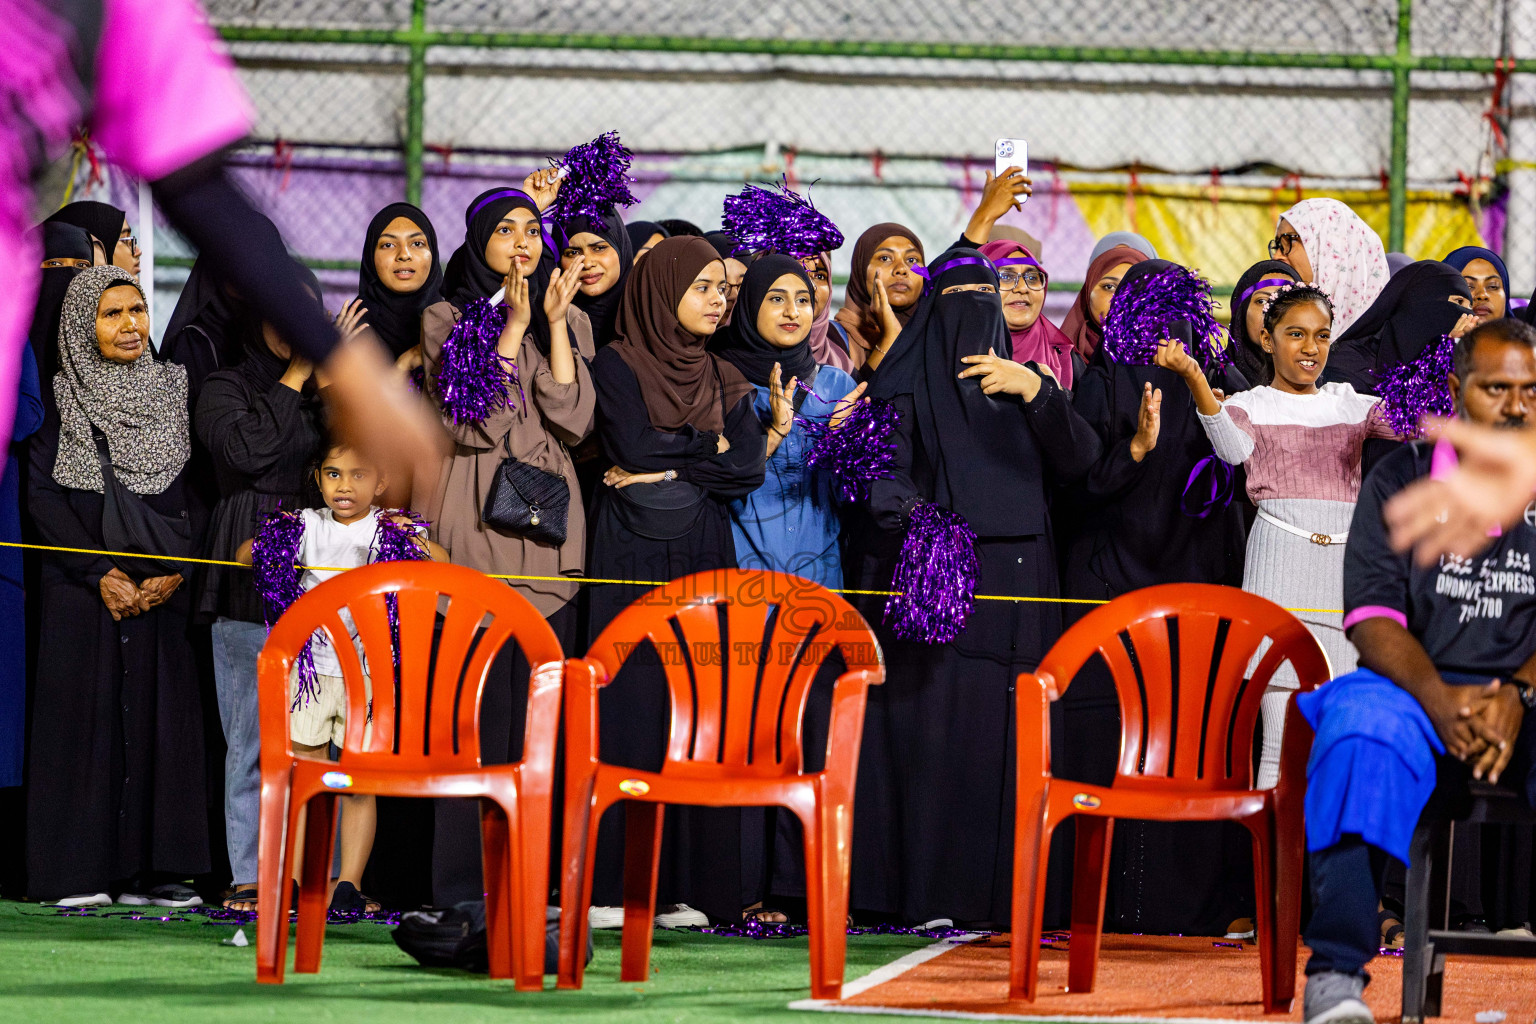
[(1022, 288), (824, 346)]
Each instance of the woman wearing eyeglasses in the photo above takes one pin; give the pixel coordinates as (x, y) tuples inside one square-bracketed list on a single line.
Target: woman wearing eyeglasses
[(1330, 246)]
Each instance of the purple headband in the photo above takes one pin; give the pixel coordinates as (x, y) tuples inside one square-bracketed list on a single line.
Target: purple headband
[(1268, 282), (506, 193), (930, 275), (1014, 261)]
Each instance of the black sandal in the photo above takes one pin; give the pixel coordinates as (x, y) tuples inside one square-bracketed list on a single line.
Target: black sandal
[(242, 894), (1390, 927), (347, 900)]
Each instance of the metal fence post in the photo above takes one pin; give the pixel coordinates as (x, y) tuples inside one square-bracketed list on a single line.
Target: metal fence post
[(416, 102), (1397, 185)]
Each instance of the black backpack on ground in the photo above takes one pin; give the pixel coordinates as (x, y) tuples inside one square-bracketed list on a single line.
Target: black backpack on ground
[(455, 937)]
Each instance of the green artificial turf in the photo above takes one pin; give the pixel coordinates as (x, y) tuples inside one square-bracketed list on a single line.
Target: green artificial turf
[(107, 967)]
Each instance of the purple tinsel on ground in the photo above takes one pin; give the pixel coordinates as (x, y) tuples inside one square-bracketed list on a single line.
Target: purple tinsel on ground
[(473, 378), (860, 450), (1143, 314), (275, 556), (935, 575), (778, 219), (1416, 389), (597, 179)]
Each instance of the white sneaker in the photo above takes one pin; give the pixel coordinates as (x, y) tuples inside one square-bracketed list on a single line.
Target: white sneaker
[(679, 915), (90, 899), (172, 895), (605, 917), (1523, 932)]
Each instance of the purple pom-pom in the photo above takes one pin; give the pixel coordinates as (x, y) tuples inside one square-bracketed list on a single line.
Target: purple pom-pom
[(779, 220), (1413, 390), (860, 450), (597, 179), (936, 576), (274, 556), (1144, 313), (473, 378), (397, 542)]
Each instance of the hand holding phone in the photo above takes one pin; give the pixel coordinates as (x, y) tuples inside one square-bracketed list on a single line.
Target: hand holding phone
[(1012, 153)]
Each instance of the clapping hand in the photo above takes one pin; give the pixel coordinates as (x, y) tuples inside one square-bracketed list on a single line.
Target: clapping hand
[(1149, 422), (517, 299), (781, 400), (845, 406)]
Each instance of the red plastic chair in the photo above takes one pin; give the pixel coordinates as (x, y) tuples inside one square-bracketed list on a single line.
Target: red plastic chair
[(425, 742), (1179, 655), (734, 741)]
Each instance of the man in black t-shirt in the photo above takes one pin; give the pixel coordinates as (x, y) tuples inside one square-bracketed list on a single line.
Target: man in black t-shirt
[(1448, 671)]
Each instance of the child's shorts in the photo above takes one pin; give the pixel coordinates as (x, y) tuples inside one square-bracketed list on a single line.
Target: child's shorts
[(322, 718)]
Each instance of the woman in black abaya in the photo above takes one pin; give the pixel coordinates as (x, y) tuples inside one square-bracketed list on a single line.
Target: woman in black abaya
[(1142, 521), (933, 829)]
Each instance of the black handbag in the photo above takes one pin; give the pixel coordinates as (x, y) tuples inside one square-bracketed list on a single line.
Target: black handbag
[(527, 501), (129, 525)]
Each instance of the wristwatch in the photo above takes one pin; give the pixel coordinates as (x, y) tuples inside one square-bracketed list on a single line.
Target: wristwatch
[(669, 475), (1527, 693)]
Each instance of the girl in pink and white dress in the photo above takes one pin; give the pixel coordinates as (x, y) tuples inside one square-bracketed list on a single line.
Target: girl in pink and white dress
[(1301, 445)]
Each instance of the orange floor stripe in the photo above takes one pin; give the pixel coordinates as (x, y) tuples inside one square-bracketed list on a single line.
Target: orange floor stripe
[(1165, 978)]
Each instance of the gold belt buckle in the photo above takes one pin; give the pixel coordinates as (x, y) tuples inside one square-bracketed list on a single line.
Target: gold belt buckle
[(1322, 539)]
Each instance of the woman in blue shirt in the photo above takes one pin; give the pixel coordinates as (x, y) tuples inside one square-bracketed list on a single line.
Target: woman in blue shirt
[(790, 523)]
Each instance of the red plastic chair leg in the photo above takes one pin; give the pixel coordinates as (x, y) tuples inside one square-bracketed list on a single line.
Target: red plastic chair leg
[(1090, 879), (315, 882), (642, 857), (579, 850), (828, 833), (528, 888), (495, 855), (1031, 863), (1264, 899), (1290, 857), (273, 869)]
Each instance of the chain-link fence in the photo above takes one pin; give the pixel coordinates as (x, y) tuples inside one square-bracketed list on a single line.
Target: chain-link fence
[(1193, 122)]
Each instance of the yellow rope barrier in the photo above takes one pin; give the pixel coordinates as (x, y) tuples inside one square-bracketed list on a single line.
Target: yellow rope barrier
[(584, 579)]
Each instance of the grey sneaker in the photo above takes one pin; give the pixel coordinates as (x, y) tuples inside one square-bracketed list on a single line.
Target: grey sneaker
[(1334, 998)]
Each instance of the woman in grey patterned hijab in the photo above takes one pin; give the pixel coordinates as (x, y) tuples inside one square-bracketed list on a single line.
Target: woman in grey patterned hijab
[(109, 380)]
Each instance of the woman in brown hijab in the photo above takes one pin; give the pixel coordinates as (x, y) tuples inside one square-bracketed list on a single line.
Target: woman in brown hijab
[(678, 428), (882, 293), (1083, 320)]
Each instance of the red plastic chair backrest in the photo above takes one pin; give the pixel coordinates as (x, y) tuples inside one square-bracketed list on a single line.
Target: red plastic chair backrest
[(1179, 654), (426, 711), (740, 649)]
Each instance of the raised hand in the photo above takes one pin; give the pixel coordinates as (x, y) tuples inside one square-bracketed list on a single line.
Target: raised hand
[(350, 321), (1464, 323), (998, 196), (543, 186), (1492, 485), (880, 304), (517, 300), (1172, 355), (1149, 422), (561, 291)]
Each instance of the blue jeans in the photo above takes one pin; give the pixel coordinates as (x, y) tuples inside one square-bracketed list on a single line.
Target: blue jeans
[(236, 646)]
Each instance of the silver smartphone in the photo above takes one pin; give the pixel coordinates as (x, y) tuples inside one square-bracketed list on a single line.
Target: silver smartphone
[(1012, 153)]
